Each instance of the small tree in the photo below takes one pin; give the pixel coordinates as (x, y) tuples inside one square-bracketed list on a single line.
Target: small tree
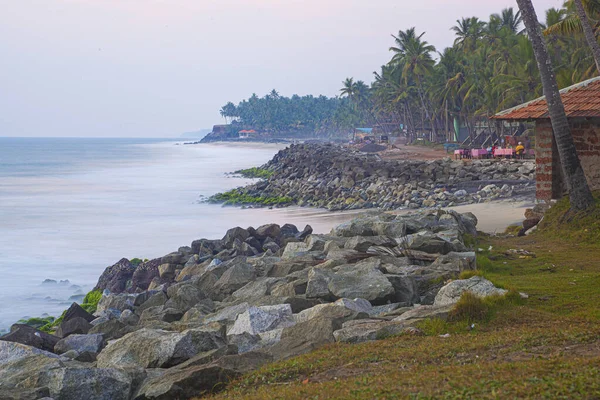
[(580, 195)]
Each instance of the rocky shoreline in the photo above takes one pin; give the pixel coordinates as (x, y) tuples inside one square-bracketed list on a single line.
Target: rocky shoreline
[(336, 178), (183, 325)]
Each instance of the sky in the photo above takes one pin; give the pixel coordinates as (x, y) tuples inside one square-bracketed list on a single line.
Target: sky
[(158, 68)]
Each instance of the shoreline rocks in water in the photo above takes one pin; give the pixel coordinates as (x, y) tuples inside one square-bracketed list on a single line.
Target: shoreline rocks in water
[(183, 325), (332, 177)]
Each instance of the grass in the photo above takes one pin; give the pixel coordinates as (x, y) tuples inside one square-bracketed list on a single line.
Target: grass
[(546, 347), (236, 197), (255, 172)]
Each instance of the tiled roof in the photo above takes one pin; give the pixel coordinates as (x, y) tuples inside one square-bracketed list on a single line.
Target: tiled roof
[(580, 100)]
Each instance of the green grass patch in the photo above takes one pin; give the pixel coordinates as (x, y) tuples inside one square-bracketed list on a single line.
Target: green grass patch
[(236, 198), (255, 173), (560, 223), (37, 322), (469, 274), (90, 301)]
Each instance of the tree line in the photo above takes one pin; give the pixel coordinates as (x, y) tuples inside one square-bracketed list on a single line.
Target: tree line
[(490, 67)]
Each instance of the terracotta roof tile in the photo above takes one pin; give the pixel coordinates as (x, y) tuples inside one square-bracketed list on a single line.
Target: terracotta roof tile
[(580, 100)]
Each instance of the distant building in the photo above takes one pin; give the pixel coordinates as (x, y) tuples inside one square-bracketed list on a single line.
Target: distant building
[(582, 105), (247, 134)]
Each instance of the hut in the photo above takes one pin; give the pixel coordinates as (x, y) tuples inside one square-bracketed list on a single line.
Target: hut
[(582, 106)]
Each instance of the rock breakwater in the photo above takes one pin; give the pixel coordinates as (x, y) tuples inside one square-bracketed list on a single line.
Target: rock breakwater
[(183, 325), (335, 178)]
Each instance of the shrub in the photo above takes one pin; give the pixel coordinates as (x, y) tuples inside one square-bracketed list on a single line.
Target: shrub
[(136, 261), (470, 308)]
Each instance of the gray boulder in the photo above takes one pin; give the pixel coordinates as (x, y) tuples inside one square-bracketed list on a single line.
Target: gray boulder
[(341, 311), (362, 244), (477, 285), (183, 296), (111, 329), (77, 325), (365, 330), (425, 311), (233, 234), (149, 348), (304, 337), (27, 335), (363, 280), (405, 287), (234, 278), (318, 283), (80, 343), (261, 319)]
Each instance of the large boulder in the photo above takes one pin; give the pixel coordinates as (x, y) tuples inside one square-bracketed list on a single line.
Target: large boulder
[(80, 343), (477, 285), (89, 383), (228, 313), (367, 330), (75, 310), (157, 299), (261, 319), (363, 280), (304, 337), (362, 244), (185, 383), (268, 231), (256, 289), (235, 277), (27, 335), (425, 312), (144, 274), (183, 296), (294, 249), (190, 380), (340, 311), (318, 283), (149, 348), (119, 302), (405, 287), (111, 329), (116, 277), (77, 325), (233, 234)]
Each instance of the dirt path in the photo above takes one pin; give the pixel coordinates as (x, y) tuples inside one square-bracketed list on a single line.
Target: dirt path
[(403, 152)]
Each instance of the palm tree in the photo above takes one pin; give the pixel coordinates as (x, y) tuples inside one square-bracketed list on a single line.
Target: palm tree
[(509, 20), (468, 31), (577, 20), (580, 195), (588, 32)]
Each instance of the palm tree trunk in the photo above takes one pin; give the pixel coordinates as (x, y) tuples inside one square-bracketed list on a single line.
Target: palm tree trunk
[(588, 32), (580, 195)]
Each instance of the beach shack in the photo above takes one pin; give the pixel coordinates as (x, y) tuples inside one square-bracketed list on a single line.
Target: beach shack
[(247, 134), (582, 105)]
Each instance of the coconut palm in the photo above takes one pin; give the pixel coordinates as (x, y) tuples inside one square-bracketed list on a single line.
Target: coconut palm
[(580, 195)]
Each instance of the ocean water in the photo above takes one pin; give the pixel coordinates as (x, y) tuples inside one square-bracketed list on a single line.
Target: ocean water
[(71, 207)]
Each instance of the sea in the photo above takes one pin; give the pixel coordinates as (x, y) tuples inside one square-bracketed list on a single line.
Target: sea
[(70, 207)]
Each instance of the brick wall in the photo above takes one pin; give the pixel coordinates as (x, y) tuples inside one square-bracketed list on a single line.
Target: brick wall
[(549, 179)]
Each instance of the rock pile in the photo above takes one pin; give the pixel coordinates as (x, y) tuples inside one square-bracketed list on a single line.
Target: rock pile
[(183, 325), (331, 177)]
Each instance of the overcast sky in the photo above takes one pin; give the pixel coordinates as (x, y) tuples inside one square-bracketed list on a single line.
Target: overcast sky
[(157, 68)]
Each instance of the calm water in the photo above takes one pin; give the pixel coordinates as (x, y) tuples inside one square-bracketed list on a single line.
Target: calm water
[(71, 207)]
